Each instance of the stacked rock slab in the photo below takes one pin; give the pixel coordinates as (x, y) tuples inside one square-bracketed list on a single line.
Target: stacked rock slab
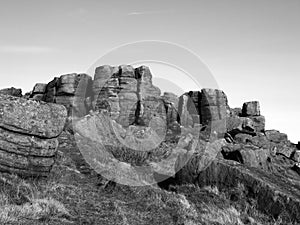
[(106, 89), (115, 91), (71, 90), (251, 110), (28, 135), (249, 144), (127, 94), (208, 107)]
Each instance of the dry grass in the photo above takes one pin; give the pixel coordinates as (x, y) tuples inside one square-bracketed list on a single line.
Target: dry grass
[(70, 197), (226, 216), (21, 203)]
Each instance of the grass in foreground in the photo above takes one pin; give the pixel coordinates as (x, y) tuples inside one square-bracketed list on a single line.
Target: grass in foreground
[(70, 197)]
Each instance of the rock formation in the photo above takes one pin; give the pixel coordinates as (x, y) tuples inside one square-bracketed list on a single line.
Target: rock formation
[(127, 94), (28, 132), (38, 91), (207, 107), (17, 92), (70, 90), (121, 110)]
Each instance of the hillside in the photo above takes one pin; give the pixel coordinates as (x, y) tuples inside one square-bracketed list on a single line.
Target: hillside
[(113, 149)]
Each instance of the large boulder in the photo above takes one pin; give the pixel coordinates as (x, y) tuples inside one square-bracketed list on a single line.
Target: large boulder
[(31, 117), (249, 155), (11, 91), (28, 135), (26, 155)]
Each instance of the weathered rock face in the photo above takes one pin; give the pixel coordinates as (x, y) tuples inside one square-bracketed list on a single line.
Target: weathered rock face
[(28, 132), (251, 109), (171, 106), (105, 90), (11, 91), (208, 107), (127, 94), (50, 92), (31, 117), (187, 111), (71, 90), (151, 105), (213, 105), (38, 91)]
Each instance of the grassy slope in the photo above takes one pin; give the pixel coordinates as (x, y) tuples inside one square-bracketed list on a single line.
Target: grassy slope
[(75, 195)]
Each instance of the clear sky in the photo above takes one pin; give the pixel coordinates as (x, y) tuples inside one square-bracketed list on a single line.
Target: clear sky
[(251, 47)]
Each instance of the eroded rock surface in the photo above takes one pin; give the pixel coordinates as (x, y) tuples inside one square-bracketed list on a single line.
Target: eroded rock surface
[(28, 135), (17, 92)]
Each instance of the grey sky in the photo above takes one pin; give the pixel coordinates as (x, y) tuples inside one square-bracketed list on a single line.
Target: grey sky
[(252, 47)]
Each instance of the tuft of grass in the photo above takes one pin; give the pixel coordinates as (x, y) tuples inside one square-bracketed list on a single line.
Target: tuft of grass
[(227, 216), (42, 210)]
